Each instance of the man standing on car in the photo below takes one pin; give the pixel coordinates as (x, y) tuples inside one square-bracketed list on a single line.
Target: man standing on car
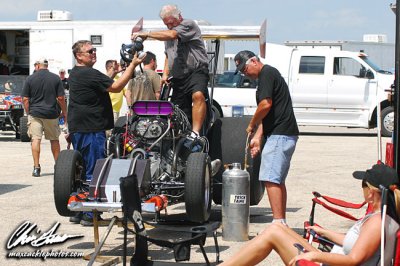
[(274, 118), (90, 110), (186, 62), (42, 93)]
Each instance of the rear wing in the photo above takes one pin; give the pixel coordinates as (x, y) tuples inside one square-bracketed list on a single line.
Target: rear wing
[(237, 33)]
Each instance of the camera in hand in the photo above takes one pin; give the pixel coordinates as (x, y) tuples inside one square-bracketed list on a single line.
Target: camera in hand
[(128, 50)]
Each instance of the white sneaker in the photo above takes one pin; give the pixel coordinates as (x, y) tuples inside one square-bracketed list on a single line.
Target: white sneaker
[(215, 165)]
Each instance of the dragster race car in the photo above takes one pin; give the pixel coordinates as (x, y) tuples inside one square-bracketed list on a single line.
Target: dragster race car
[(155, 144), (11, 106)]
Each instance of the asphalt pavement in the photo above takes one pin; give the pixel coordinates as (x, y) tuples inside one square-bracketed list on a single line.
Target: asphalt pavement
[(324, 160)]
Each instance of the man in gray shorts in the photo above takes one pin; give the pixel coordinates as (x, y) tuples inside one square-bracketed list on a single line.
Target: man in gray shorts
[(42, 93), (274, 118)]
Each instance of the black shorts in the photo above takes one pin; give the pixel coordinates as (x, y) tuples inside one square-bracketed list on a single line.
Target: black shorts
[(182, 89)]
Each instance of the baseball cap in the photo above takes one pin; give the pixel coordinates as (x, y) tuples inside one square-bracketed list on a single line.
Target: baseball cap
[(379, 174), (241, 58), (42, 61)]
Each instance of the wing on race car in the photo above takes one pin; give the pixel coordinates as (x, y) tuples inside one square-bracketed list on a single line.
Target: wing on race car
[(139, 26)]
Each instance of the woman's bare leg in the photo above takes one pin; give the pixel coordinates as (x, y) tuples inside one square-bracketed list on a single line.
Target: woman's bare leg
[(276, 237)]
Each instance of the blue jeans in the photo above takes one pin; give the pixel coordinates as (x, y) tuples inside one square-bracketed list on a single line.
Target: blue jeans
[(275, 158), (92, 147)]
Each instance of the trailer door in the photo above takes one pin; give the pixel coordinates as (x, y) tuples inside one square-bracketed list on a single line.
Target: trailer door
[(54, 45)]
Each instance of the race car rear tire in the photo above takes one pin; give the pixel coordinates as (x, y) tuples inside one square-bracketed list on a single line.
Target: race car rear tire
[(23, 129), (198, 187), (67, 179), (227, 142)]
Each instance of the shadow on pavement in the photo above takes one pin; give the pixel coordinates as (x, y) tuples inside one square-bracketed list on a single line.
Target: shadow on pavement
[(6, 188)]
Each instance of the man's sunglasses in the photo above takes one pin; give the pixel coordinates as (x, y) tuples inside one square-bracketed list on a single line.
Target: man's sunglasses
[(91, 51)]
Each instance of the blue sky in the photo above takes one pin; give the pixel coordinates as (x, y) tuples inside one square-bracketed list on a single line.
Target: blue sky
[(286, 20)]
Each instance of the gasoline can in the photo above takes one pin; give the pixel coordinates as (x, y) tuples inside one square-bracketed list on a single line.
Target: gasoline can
[(235, 203)]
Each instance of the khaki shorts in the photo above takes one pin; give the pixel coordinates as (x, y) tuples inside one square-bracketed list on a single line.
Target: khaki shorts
[(50, 127)]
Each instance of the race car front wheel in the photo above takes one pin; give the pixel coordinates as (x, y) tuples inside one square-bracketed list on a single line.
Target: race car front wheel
[(67, 179)]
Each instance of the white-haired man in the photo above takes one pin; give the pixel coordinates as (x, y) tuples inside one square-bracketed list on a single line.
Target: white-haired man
[(186, 62)]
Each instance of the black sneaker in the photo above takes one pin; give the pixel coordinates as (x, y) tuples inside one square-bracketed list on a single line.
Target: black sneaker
[(36, 171), (87, 219), (76, 219)]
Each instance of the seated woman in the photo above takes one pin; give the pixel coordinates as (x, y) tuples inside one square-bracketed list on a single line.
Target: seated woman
[(359, 246)]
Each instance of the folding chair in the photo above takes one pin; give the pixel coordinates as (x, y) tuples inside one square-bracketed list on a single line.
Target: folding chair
[(390, 234), (329, 203)]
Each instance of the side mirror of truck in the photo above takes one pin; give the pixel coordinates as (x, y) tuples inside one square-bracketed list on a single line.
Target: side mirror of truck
[(369, 74)]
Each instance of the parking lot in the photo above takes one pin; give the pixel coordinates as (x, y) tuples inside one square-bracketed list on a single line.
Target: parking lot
[(323, 161)]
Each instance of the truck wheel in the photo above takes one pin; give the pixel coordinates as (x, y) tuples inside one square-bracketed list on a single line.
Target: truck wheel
[(23, 129), (217, 110), (387, 121), (227, 142), (67, 179), (198, 193)]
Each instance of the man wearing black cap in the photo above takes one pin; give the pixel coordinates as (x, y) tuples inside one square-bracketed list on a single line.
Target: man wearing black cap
[(274, 118)]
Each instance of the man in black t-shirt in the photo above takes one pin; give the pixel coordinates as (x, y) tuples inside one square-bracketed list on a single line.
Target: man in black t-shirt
[(90, 110), (274, 118), (43, 94)]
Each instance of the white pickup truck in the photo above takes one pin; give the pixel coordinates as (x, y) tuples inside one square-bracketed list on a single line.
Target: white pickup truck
[(328, 87)]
